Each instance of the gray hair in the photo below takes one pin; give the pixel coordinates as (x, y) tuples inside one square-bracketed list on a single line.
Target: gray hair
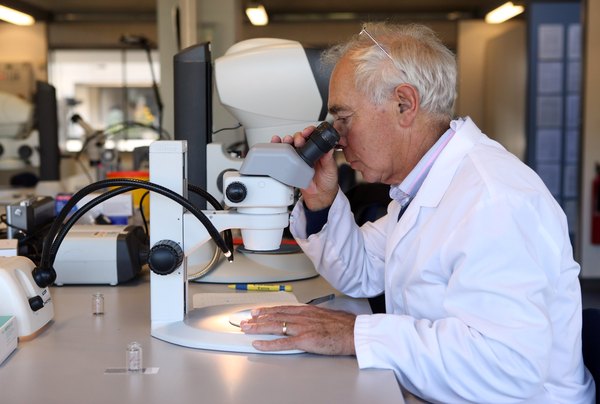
[(413, 55)]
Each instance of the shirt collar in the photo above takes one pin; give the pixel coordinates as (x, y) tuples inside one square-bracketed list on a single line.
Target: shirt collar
[(404, 192)]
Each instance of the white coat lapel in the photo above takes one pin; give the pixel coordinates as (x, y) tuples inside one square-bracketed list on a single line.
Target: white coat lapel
[(438, 180)]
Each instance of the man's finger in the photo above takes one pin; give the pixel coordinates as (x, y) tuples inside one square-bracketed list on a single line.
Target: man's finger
[(290, 309), (279, 344)]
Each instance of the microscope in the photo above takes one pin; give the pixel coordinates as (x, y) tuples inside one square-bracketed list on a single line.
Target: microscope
[(258, 197), (16, 125), (272, 87), (29, 132)]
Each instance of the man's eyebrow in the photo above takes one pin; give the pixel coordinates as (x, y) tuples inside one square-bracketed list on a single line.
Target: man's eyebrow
[(336, 109)]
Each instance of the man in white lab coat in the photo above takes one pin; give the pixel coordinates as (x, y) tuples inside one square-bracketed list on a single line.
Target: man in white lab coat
[(483, 301)]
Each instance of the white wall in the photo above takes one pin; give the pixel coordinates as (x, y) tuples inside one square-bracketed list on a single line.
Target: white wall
[(474, 37), (589, 255), (504, 102), (492, 80)]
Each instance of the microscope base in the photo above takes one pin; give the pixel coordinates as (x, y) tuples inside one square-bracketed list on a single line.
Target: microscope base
[(257, 268), (209, 328)]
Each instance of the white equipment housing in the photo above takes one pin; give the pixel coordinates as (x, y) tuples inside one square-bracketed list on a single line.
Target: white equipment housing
[(99, 254), (18, 290), (269, 86)]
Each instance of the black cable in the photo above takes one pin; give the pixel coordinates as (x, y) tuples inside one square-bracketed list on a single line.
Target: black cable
[(79, 214), (44, 275), (215, 204), (213, 232), (71, 203), (3, 220), (193, 188), (144, 220), (26, 239), (203, 193), (239, 125), (109, 194)]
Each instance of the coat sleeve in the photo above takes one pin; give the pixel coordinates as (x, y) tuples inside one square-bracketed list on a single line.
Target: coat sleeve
[(351, 258)]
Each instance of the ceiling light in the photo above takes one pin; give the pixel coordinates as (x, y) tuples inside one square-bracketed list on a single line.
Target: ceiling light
[(504, 12), (257, 14), (15, 17)]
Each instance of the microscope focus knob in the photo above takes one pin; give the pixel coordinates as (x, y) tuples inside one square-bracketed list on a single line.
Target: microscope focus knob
[(165, 257), (236, 192), (25, 152)]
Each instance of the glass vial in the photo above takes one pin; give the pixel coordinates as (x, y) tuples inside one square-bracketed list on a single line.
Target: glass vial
[(98, 304), (134, 357)]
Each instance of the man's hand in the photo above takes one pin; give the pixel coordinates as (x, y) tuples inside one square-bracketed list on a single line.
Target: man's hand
[(324, 187), (308, 328)]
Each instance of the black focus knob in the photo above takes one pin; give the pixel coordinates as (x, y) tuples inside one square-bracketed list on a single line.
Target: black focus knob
[(236, 192), (36, 303), (43, 276), (25, 152), (165, 257)]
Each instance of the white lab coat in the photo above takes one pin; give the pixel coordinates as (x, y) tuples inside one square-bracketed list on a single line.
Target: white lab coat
[(482, 292)]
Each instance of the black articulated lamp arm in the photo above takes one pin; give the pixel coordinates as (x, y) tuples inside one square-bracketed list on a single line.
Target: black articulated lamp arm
[(78, 215), (44, 275)]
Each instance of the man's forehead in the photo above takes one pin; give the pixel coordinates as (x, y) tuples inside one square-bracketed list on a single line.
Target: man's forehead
[(342, 91)]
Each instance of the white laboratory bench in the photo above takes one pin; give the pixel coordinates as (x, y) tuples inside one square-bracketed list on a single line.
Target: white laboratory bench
[(66, 363)]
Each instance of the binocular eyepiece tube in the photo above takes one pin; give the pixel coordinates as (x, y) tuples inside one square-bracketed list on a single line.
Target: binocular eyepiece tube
[(323, 139)]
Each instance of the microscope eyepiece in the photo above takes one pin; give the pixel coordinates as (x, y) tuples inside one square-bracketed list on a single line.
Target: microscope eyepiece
[(323, 139)]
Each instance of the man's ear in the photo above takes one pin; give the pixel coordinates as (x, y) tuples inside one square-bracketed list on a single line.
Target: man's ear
[(407, 100)]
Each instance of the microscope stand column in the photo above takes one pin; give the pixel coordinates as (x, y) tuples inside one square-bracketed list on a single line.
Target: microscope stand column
[(168, 167)]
